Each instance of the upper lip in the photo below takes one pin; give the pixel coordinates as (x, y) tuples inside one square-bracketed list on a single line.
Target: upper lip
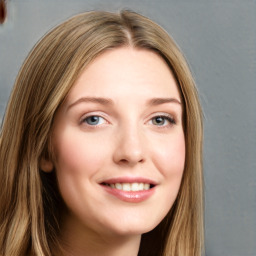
[(129, 180)]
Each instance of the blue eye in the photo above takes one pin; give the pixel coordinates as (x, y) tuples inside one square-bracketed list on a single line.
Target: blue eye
[(93, 120), (162, 120)]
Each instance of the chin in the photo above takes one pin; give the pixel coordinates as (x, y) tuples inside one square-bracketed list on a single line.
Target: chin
[(133, 227)]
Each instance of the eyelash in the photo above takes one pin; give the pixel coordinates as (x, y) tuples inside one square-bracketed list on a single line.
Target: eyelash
[(171, 121), (84, 120), (165, 117)]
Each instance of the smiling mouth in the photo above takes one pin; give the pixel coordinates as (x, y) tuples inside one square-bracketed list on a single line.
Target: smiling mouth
[(129, 186), (130, 189)]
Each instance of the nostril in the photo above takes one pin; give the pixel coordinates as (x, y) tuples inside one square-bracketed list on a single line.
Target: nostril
[(124, 161), (130, 161)]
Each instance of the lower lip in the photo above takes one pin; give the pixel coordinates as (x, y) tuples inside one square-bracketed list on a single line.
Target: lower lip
[(130, 196)]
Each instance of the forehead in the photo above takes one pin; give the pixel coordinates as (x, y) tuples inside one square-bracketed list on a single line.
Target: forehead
[(126, 71)]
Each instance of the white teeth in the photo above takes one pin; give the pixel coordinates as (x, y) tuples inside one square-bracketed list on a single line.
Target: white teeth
[(118, 186), (126, 187), (134, 186), (141, 186), (130, 186), (146, 186)]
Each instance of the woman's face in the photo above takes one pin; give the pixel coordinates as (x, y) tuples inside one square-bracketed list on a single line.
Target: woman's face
[(119, 144)]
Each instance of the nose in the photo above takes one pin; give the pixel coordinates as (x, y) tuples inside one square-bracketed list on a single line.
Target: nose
[(129, 149)]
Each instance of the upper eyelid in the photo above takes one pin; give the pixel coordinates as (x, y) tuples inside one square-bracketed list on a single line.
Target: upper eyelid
[(92, 114), (169, 118), (164, 114), (95, 113)]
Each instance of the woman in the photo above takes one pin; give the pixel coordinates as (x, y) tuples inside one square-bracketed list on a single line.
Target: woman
[(101, 144)]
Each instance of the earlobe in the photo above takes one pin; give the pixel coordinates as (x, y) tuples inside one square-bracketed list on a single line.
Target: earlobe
[(46, 165)]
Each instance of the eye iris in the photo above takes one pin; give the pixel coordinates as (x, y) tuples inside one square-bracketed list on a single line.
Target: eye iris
[(158, 120), (92, 120)]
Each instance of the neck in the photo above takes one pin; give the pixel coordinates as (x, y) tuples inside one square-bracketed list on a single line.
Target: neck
[(127, 247)]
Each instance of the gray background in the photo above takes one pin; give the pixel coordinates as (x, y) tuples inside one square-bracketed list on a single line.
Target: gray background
[(218, 38)]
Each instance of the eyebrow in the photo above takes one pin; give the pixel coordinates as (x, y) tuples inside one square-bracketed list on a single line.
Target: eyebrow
[(99, 100), (159, 101), (109, 102)]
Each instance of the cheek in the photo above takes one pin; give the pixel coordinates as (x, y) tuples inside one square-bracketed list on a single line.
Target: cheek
[(77, 154), (77, 162), (169, 157)]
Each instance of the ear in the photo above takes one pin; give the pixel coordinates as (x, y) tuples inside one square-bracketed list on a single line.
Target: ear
[(46, 165)]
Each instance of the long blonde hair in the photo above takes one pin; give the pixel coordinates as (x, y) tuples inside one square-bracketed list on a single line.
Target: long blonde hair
[(29, 199)]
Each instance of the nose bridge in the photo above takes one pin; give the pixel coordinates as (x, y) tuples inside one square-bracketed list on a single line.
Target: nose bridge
[(129, 148)]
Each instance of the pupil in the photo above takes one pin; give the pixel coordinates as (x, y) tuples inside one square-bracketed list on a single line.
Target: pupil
[(159, 120), (93, 119)]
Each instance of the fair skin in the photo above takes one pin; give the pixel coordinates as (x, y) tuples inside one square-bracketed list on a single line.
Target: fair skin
[(119, 129)]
